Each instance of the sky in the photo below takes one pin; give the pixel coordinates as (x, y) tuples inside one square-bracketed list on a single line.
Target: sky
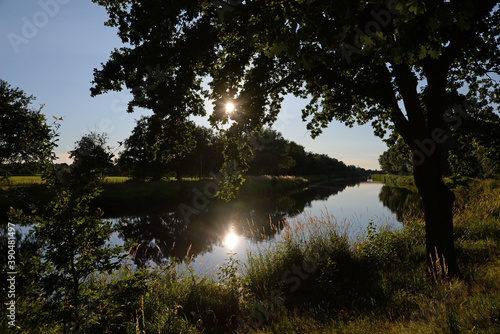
[(49, 49)]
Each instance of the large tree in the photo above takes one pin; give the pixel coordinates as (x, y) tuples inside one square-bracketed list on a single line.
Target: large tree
[(401, 65), (24, 134)]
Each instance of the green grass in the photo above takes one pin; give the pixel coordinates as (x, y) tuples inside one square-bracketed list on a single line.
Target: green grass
[(116, 179), (314, 281), (21, 181), (395, 180), (381, 286)]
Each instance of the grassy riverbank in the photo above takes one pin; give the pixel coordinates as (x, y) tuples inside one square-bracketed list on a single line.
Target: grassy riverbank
[(143, 196), (121, 194), (325, 284), (395, 180)]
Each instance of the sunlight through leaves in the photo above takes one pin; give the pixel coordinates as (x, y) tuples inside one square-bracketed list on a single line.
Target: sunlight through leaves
[(230, 107)]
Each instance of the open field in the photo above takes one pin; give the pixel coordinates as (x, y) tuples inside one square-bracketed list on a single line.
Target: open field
[(116, 179), (21, 181)]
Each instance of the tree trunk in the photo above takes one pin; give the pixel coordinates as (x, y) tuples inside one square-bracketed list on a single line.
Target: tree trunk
[(438, 205)]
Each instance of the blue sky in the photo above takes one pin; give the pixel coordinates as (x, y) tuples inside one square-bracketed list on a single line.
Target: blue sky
[(49, 49)]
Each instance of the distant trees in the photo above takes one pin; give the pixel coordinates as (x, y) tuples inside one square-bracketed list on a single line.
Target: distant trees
[(475, 148), (135, 159), (149, 151), (397, 159), (147, 156), (275, 155), (271, 155), (21, 168), (24, 133), (91, 156), (206, 158)]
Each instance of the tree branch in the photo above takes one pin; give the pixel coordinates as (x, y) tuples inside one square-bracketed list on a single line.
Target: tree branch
[(407, 84)]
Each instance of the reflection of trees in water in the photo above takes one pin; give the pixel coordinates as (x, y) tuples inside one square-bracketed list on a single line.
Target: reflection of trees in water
[(318, 192), (154, 234), (160, 236), (401, 201)]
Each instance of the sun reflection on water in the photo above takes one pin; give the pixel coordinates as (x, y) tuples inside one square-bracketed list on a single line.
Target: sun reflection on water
[(231, 240)]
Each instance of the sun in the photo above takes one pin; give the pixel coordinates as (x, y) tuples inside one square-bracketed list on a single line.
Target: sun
[(229, 107)]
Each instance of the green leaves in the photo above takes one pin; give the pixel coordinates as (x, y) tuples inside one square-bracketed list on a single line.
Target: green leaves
[(428, 51), (416, 6), (397, 159), (230, 176), (91, 157), (25, 135), (72, 237)]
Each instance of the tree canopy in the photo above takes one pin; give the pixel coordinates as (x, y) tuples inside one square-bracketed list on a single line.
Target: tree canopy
[(401, 65), (91, 157), (24, 133), (354, 60)]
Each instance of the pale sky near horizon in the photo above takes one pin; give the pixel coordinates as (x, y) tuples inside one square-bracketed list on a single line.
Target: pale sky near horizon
[(49, 49)]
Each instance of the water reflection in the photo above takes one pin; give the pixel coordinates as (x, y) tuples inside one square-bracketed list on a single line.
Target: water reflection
[(231, 240), (241, 224), (401, 201), (161, 235)]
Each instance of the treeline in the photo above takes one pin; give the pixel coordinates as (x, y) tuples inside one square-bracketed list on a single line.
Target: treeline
[(275, 155), (271, 155), (20, 168), (472, 150)]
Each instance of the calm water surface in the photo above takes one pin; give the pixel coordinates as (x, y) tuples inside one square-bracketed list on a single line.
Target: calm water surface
[(242, 226)]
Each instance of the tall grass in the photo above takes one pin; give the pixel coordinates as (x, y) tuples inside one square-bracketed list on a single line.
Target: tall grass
[(380, 284), (116, 179)]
